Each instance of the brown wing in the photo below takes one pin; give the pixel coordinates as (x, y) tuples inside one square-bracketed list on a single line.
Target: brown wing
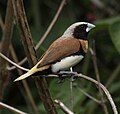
[(59, 49)]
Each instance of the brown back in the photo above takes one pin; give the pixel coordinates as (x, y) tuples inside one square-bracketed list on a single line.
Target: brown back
[(59, 49)]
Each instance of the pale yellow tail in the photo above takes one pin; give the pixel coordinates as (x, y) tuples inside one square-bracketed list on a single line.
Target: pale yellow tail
[(31, 71)]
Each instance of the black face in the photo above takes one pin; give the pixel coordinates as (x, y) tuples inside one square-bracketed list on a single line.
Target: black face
[(80, 31)]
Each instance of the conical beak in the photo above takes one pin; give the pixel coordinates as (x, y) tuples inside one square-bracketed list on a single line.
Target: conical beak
[(90, 26)]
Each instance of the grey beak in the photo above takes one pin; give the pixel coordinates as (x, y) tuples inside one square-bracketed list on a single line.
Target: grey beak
[(90, 26)]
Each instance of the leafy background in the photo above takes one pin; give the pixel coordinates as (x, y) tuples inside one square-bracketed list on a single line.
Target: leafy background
[(105, 14)]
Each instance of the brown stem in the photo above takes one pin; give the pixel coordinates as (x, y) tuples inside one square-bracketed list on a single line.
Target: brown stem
[(46, 33), (6, 39), (25, 84), (31, 56)]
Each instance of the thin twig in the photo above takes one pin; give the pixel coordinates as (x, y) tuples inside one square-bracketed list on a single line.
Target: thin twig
[(20, 63), (13, 63), (105, 91), (68, 74), (45, 34), (11, 108), (31, 55), (94, 58), (63, 107), (89, 96)]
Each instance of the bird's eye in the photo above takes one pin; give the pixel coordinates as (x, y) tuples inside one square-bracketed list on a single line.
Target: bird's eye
[(82, 26)]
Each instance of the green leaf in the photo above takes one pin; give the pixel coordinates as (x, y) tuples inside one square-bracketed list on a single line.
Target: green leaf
[(114, 30)]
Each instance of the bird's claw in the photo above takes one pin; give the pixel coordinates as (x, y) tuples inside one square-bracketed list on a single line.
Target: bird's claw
[(73, 76)]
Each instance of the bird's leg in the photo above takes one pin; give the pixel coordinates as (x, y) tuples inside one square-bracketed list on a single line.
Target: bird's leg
[(62, 75), (73, 75)]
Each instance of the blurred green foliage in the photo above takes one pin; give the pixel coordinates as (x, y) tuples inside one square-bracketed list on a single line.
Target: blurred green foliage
[(107, 37)]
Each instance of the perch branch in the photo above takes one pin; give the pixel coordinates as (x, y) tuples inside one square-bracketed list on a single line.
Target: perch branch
[(95, 82), (13, 63), (105, 91), (11, 108), (45, 34), (63, 107)]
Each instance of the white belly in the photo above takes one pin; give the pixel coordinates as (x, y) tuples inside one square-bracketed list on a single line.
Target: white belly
[(66, 63)]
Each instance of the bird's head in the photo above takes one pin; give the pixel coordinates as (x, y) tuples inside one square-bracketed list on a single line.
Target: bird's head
[(78, 30)]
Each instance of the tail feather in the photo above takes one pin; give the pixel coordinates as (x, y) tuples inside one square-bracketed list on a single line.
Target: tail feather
[(30, 72)]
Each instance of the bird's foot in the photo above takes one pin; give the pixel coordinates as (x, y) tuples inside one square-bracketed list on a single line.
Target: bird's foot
[(73, 76), (64, 74)]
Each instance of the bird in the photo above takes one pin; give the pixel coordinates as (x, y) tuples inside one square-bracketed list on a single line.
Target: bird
[(65, 52)]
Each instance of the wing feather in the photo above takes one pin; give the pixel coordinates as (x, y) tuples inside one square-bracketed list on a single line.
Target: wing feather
[(59, 49)]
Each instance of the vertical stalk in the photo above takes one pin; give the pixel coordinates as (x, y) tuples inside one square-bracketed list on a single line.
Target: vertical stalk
[(6, 40), (31, 55)]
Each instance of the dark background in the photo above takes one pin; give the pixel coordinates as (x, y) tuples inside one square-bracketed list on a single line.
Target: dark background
[(105, 15)]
